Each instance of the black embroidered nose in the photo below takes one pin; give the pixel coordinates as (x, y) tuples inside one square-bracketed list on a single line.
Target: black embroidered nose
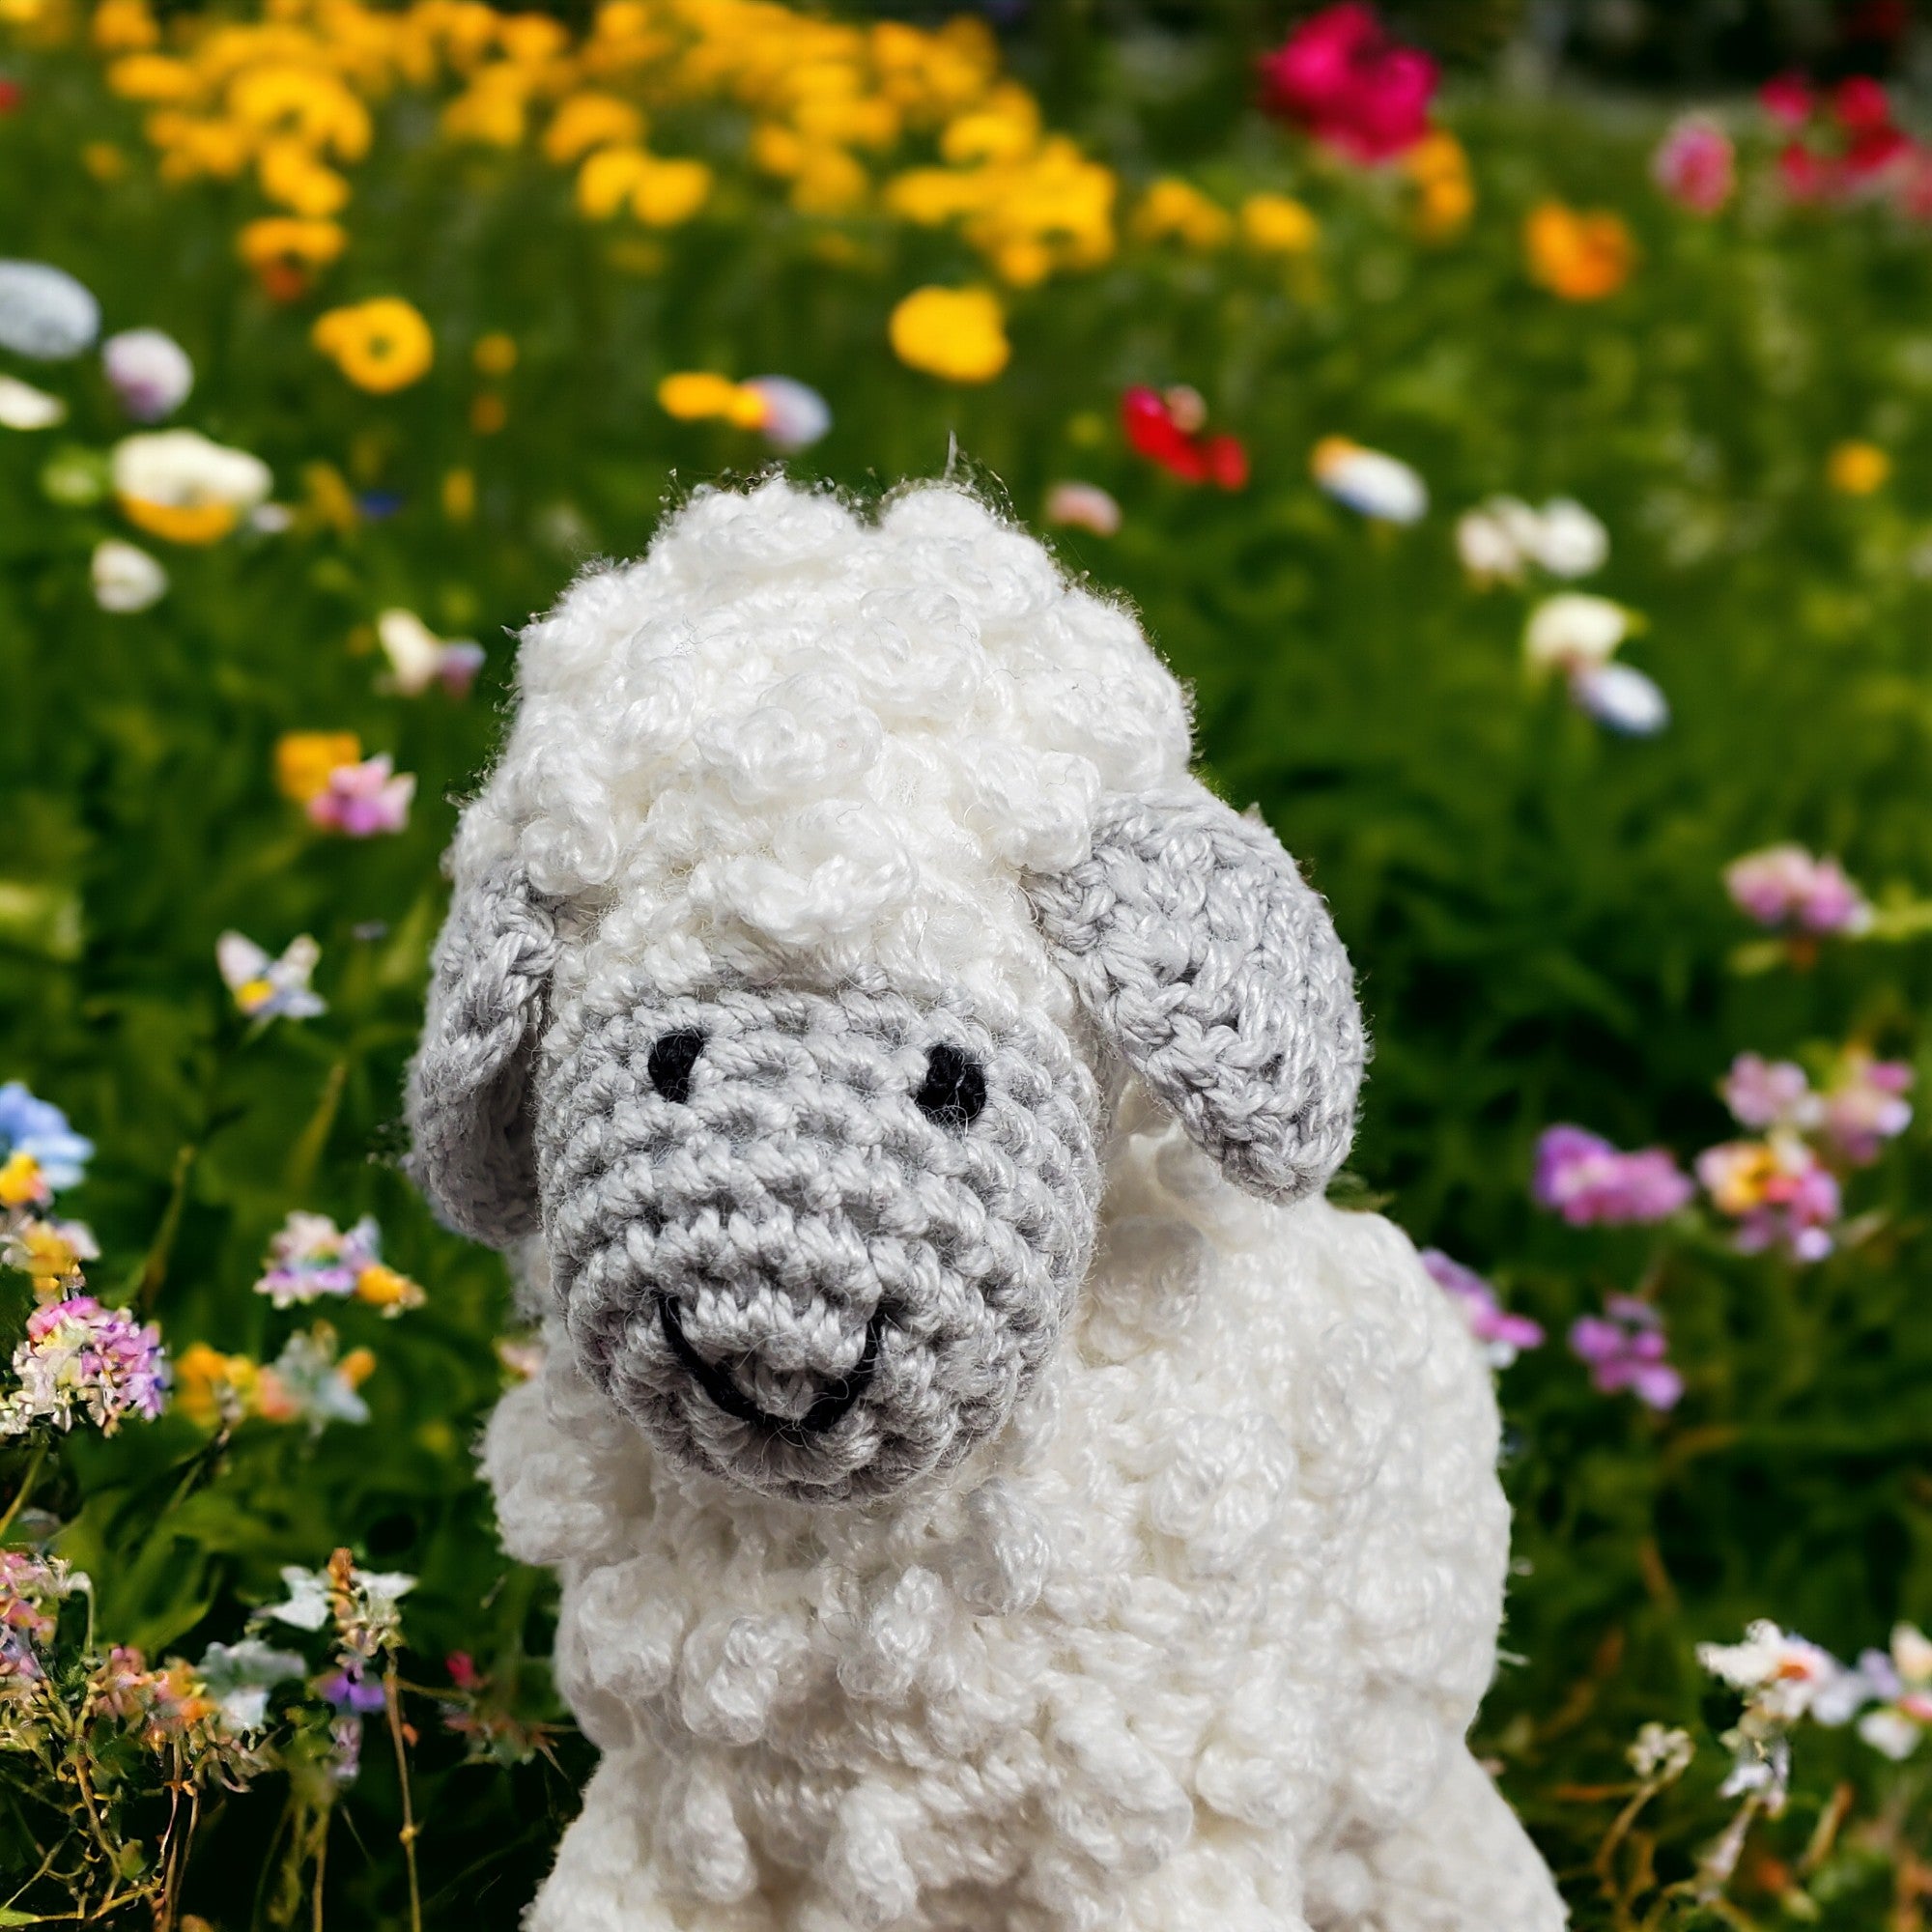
[(672, 1057), (954, 1089)]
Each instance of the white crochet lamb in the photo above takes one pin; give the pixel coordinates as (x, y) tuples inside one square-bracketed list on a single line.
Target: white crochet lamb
[(993, 1491)]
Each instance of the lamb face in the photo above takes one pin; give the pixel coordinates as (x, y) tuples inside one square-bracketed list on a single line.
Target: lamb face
[(817, 1243)]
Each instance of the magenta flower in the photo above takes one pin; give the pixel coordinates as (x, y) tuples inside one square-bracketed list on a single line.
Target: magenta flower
[(1784, 886), (1865, 1105), (1696, 165), (360, 801), (1625, 1348), (1788, 99), (310, 1256), (80, 1358), (1503, 1336), (1581, 1176), (1339, 76)]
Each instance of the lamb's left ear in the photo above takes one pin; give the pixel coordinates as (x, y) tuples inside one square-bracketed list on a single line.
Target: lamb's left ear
[(469, 1086), (1198, 949)]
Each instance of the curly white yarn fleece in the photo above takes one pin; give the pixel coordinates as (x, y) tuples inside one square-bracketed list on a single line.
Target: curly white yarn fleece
[(1191, 1642)]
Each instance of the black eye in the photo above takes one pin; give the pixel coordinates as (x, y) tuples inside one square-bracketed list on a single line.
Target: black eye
[(672, 1060), (954, 1089)]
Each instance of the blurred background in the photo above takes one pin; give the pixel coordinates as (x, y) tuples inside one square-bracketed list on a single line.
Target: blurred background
[(1514, 420)]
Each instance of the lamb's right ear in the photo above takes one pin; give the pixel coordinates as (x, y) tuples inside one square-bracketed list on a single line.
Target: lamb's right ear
[(469, 1085)]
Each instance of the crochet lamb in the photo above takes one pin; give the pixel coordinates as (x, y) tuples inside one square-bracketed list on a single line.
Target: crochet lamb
[(993, 1491)]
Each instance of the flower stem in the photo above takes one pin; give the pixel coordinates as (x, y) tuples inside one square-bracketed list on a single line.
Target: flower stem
[(393, 1698), (34, 1463)]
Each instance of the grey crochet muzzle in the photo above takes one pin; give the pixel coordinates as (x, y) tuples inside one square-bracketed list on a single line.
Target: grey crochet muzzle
[(819, 1243), (816, 1242)]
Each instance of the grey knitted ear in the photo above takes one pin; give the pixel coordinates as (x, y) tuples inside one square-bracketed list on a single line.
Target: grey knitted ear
[(1194, 943), (469, 1085)]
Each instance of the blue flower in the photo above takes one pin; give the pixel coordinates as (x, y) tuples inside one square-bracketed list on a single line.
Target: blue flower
[(39, 1128)]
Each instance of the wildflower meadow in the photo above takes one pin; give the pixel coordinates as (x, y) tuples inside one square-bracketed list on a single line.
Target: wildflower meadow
[(1536, 494)]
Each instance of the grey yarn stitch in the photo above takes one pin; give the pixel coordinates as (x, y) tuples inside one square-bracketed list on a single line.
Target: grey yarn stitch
[(1201, 952), (780, 1265), (467, 1099)]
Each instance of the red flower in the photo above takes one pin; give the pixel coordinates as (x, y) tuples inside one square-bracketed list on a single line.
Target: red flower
[(1859, 105), (9, 96), (1788, 99), (1152, 429), (1342, 78)]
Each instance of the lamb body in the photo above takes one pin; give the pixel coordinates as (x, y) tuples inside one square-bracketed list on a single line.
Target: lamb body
[(1159, 1595)]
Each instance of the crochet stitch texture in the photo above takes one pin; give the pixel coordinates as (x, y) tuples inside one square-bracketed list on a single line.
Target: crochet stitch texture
[(992, 1490)]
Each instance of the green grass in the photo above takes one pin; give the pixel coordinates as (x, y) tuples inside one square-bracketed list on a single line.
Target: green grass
[(1535, 906)]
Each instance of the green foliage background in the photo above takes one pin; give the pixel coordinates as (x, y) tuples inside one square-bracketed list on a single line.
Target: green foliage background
[(1535, 906)]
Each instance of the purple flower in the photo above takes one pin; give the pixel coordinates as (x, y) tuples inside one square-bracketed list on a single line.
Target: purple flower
[(309, 1255), (350, 1688), (81, 1357), (1625, 1348), (1784, 886), (1503, 1336), (1581, 1176), (1763, 1093)]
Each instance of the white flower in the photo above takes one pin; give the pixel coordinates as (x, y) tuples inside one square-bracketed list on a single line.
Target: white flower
[(1784, 1676), (181, 470), (24, 407), (419, 657), (1661, 1753), (125, 578), (1569, 541), (796, 415), (1621, 698), (45, 313), (266, 989), (1378, 484), (239, 1676), (1083, 506), (1488, 550), (1572, 631), (1892, 1732), (149, 371), (317, 1391), (307, 1604)]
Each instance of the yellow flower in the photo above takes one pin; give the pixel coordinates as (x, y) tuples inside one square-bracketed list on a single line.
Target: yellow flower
[(1856, 469), (694, 395), (1175, 210), (383, 1288), (458, 495), (286, 251), (211, 1388), (305, 760), (381, 346), (957, 335), (488, 413), (828, 181), (1578, 256), (291, 174), (1440, 170), (194, 147), (661, 193), (1277, 224), (22, 1182), (178, 485), (494, 353), (124, 26), (50, 1255), (585, 120), (492, 109), (309, 104), (103, 161), (153, 77)]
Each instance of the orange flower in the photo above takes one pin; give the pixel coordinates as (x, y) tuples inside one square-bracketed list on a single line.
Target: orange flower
[(1578, 255), (305, 760), (1856, 469), (287, 251)]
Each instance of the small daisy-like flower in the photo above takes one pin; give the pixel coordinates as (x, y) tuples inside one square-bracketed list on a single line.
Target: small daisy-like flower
[(1783, 886), (177, 485), (149, 371), (1625, 1349), (265, 988), (1661, 1755), (1381, 487), (26, 407), (418, 658), (1581, 1176), (1503, 1336), (81, 1359), (45, 313), (39, 1129), (365, 800)]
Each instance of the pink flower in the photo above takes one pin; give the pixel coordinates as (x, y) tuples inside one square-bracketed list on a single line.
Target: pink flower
[(360, 800), (1865, 1106), (1785, 886), (1342, 77), (1694, 165), (1763, 1093), (1779, 1192), (1503, 1335), (1625, 1348), (1788, 99), (80, 1358), (1581, 1176)]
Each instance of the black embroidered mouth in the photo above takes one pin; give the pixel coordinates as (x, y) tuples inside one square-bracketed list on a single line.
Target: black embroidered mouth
[(826, 1413)]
